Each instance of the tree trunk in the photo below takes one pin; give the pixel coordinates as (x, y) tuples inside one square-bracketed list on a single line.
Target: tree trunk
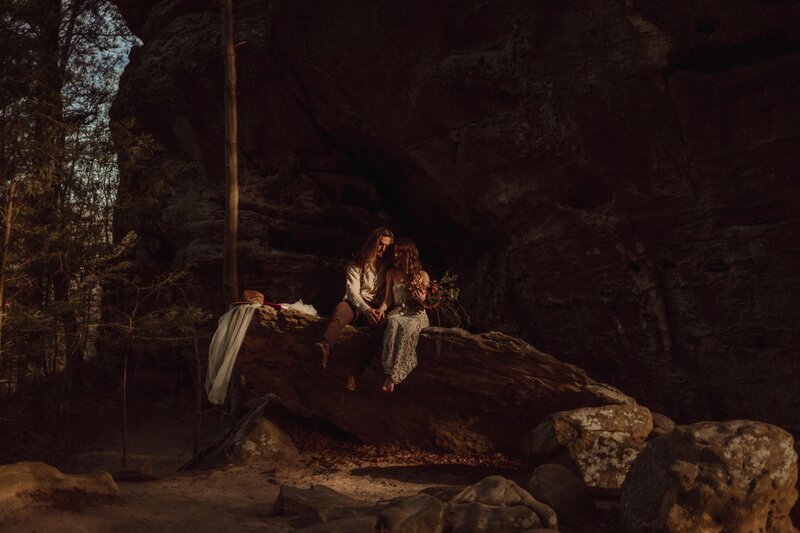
[(55, 56), (125, 404), (229, 261), (9, 218), (69, 321), (198, 388)]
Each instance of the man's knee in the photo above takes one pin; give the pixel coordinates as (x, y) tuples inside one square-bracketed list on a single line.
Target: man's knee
[(343, 313)]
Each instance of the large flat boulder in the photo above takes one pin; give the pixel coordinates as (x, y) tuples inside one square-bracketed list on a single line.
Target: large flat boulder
[(470, 393)]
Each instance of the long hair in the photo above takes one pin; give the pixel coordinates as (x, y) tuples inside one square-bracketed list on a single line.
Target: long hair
[(406, 259), (366, 255)]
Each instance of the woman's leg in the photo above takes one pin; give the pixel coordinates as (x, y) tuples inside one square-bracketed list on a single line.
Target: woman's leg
[(389, 355), (405, 350)]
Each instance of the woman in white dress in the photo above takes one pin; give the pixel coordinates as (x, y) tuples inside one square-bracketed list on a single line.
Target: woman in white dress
[(406, 287)]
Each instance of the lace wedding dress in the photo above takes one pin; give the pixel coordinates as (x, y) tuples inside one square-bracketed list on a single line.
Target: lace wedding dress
[(403, 326)]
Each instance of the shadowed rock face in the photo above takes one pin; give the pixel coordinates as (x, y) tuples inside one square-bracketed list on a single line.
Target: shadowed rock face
[(616, 182)]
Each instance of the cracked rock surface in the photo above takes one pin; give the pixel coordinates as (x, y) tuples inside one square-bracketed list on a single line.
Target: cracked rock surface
[(469, 393)]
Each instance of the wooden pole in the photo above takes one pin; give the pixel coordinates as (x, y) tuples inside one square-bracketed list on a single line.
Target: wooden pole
[(198, 428), (4, 259), (229, 264), (125, 408)]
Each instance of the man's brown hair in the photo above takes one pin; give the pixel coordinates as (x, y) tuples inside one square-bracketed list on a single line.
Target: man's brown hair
[(366, 255)]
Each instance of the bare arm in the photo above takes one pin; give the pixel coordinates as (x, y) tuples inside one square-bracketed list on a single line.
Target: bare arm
[(387, 299)]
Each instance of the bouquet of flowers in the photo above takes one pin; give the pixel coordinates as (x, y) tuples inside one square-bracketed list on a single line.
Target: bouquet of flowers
[(441, 297), (441, 292)]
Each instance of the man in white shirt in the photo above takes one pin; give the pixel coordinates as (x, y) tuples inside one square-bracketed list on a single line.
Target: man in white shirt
[(364, 291)]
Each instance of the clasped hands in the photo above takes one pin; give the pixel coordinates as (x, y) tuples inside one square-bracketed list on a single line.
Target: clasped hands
[(375, 317)]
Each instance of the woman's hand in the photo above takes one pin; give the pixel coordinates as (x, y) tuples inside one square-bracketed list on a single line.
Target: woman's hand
[(374, 316), (419, 288)]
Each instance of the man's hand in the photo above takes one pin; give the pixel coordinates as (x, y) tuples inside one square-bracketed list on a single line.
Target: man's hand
[(374, 317)]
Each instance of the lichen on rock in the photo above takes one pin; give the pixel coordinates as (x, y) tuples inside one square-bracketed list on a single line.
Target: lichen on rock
[(734, 476)]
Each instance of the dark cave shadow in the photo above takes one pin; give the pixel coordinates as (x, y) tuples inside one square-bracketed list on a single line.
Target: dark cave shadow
[(448, 474)]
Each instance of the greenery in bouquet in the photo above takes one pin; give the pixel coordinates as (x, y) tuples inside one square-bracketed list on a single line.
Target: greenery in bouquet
[(441, 291), (441, 301)]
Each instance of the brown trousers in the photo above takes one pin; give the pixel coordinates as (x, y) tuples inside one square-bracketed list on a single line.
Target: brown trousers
[(343, 314)]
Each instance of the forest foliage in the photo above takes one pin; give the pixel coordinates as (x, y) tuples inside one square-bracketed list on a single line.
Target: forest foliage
[(60, 62)]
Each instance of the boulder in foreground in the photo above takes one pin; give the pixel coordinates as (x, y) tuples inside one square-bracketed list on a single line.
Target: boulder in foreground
[(418, 514), (314, 505), (254, 439), (736, 476), (498, 504), (493, 504), (556, 486), (20, 479), (599, 443)]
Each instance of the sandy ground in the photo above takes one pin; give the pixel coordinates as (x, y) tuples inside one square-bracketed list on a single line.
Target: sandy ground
[(235, 498), (232, 499)]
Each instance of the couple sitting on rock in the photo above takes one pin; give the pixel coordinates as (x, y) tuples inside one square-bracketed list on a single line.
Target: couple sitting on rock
[(383, 275)]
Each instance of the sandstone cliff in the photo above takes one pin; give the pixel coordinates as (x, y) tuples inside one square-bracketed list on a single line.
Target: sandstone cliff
[(615, 181)]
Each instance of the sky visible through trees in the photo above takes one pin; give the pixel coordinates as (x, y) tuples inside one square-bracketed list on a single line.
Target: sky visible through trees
[(75, 316), (60, 62)]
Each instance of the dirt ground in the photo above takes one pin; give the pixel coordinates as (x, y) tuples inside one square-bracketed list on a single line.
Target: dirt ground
[(234, 498)]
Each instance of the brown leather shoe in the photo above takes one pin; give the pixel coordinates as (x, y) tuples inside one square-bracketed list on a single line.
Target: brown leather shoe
[(323, 350)]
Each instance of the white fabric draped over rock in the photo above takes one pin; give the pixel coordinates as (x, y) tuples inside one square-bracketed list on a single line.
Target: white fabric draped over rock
[(224, 347)]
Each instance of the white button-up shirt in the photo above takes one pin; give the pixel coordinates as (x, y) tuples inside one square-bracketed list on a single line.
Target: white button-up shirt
[(364, 287)]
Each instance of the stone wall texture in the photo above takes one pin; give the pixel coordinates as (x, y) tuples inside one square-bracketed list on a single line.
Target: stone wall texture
[(615, 181)]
